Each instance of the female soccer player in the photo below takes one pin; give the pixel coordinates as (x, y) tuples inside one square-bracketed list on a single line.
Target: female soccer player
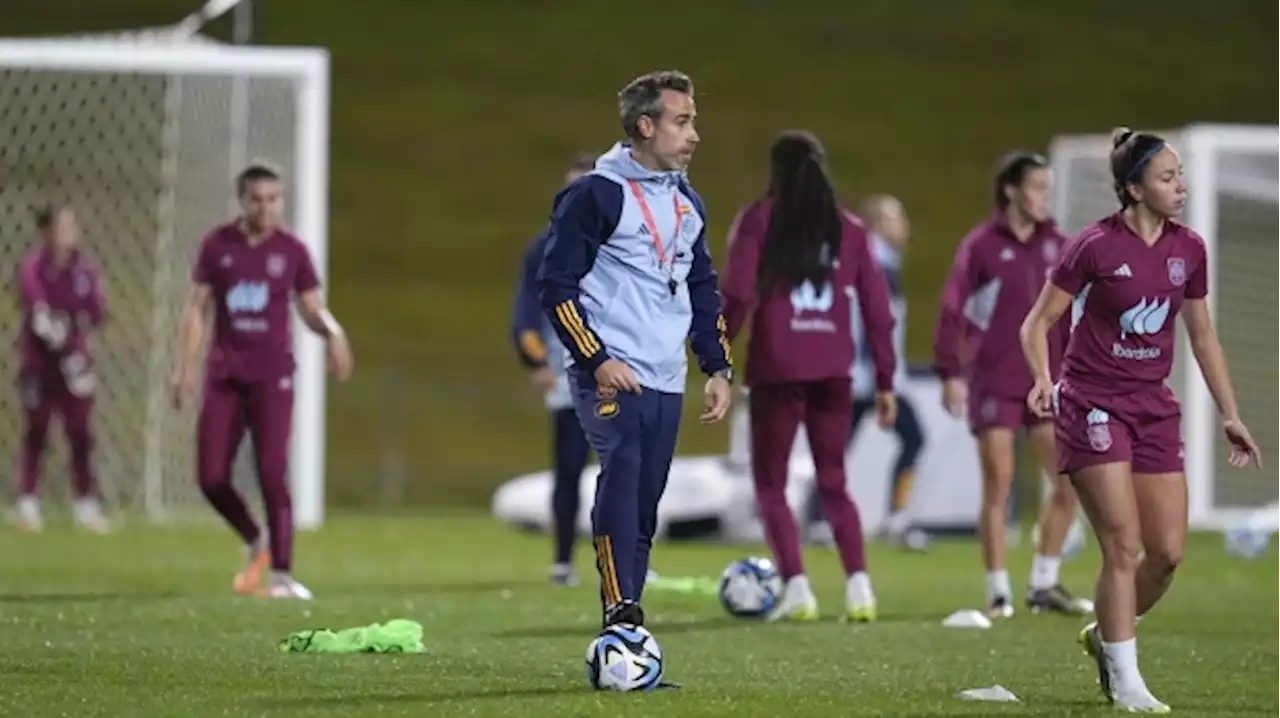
[(795, 262), (998, 272), (62, 303), (1117, 420)]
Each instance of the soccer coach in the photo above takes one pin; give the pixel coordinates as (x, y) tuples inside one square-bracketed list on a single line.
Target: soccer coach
[(627, 276)]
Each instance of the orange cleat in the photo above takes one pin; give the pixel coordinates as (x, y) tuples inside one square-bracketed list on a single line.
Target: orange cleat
[(248, 580)]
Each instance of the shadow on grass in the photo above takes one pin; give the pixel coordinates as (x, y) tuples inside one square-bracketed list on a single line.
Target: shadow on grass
[(455, 588), (85, 597), (349, 700)]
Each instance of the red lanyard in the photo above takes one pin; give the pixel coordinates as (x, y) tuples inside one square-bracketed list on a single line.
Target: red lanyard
[(652, 225)]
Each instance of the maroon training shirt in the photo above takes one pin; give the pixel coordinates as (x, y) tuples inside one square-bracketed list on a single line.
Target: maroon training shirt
[(993, 284), (806, 334), (72, 290), (252, 287), (1127, 296)]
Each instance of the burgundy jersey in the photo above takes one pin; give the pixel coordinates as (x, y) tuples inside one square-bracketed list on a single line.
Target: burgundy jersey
[(993, 284), (73, 293), (805, 333), (1127, 294), (252, 288)]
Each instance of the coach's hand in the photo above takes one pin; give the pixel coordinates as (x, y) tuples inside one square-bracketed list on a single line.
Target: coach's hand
[(617, 375), (719, 397), (955, 397), (338, 350), (886, 409), (1244, 450), (1040, 399), (544, 379), (184, 387)]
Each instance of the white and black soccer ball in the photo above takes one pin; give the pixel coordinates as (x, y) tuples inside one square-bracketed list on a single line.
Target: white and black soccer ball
[(624, 658), (750, 587)]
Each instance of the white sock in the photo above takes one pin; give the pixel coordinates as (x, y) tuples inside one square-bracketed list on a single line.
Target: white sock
[(1138, 619), (998, 584), (1044, 572), (1122, 657), (860, 585), (799, 586)]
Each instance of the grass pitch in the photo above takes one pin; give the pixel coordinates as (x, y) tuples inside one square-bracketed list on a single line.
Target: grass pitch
[(142, 623)]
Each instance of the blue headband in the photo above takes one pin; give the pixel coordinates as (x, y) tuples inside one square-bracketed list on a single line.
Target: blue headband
[(1137, 168)]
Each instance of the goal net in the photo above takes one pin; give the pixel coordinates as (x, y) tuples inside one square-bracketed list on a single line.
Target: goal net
[(1231, 174), (142, 134)]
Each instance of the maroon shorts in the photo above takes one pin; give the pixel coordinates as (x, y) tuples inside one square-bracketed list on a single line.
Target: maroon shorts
[(1142, 427), (993, 412)]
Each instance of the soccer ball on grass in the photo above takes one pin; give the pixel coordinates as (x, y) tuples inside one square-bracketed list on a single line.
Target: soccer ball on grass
[(624, 658), (750, 587)]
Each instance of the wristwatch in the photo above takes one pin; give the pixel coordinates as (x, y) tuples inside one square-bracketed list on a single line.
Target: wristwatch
[(725, 373)]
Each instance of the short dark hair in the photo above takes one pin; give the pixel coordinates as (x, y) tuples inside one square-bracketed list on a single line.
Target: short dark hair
[(642, 97), (582, 162), (1012, 169), (47, 213), (255, 172), (1131, 152)]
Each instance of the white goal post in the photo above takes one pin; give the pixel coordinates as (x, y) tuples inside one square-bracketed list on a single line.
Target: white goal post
[(1231, 173), (139, 135)]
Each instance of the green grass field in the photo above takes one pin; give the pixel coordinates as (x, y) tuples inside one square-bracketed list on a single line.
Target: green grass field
[(142, 623)]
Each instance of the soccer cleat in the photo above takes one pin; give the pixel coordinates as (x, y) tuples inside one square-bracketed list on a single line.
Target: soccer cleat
[(1000, 607), (283, 586), (88, 515), (1091, 642), (29, 517), (1058, 600), (1140, 700), (627, 612), (860, 600), (798, 603), (250, 579), (562, 574)]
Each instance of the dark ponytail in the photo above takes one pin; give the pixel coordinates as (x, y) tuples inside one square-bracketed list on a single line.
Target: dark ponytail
[(47, 214), (804, 232), (1012, 170), (1131, 152)]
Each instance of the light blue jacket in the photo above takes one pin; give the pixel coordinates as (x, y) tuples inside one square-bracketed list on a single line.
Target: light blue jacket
[(890, 261), (606, 292)]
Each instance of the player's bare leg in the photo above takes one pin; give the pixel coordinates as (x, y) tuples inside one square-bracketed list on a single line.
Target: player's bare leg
[(1107, 495), (37, 413), (87, 510), (270, 420), (995, 449), (1045, 591), (1162, 511)]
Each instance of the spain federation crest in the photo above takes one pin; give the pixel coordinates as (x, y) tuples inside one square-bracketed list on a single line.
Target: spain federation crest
[(275, 264), (1100, 437), (1049, 250), (1177, 271)]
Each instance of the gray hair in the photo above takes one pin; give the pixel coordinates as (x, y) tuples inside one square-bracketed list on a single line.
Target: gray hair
[(642, 97)]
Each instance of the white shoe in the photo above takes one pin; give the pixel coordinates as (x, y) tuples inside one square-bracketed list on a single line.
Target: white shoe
[(286, 587), (859, 599), (29, 518), (88, 515), (1138, 699), (1000, 607), (798, 602)]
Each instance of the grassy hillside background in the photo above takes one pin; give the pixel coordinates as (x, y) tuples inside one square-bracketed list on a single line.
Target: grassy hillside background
[(452, 123)]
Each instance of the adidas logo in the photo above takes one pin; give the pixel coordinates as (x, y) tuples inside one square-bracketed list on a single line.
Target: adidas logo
[(1123, 271), (644, 230)]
